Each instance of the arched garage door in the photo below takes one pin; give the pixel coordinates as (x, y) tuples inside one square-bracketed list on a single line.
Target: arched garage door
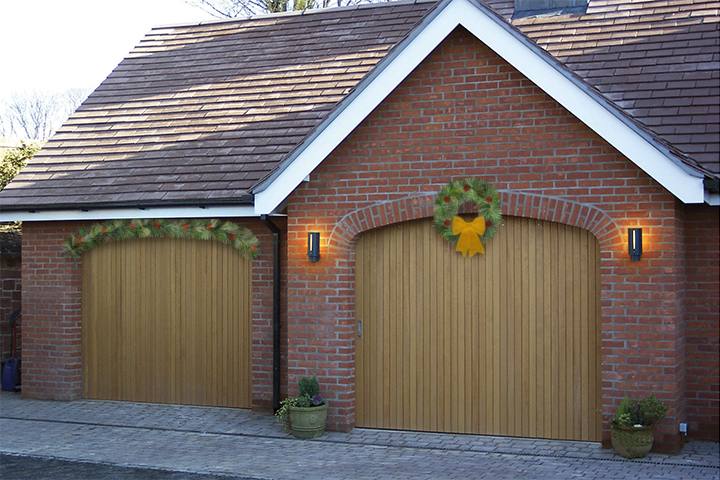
[(167, 321), (506, 343)]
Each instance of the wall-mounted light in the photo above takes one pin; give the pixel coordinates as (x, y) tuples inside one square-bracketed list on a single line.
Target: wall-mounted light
[(314, 246), (635, 243)]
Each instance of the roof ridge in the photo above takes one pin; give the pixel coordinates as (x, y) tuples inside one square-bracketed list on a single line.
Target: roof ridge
[(295, 13)]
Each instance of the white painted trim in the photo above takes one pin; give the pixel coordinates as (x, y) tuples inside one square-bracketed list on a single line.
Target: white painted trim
[(609, 125), (686, 185), (406, 60), (127, 214)]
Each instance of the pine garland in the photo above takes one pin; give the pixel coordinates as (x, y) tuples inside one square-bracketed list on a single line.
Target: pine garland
[(196, 229), (454, 194)]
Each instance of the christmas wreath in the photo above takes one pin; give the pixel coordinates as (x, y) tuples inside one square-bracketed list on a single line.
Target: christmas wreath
[(469, 236), (226, 232)]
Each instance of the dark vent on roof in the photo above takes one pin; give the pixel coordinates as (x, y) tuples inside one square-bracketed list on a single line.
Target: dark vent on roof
[(536, 8)]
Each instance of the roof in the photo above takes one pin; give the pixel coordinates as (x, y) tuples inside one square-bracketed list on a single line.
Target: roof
[(681, 176), (200, 113), (657, 60), (195, 116)]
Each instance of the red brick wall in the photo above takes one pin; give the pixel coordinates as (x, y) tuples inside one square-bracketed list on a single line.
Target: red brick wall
[(51, 283), (703, 321), (466, 113), (10, 298), (263, 314)]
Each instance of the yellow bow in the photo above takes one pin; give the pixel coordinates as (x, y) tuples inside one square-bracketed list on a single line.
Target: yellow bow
[(469, 240)]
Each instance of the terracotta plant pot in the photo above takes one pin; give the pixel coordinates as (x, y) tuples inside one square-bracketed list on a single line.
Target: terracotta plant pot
[(631, 442), (308, 422)]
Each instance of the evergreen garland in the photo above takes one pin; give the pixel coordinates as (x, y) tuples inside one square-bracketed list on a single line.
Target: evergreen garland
[(454, 194), (196, 229)]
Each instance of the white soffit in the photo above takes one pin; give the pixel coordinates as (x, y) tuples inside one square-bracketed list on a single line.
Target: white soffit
[(535, 66), (127, 213)]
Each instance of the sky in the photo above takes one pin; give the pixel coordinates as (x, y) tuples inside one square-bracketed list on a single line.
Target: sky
[(55, 45)]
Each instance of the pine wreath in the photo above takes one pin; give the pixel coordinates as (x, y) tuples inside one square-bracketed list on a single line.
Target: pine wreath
[(197, 229), (454, 194)]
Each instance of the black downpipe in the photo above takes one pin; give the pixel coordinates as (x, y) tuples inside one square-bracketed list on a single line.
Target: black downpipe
[(276, 310)]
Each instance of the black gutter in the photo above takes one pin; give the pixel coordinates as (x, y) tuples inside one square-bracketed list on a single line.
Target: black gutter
[(276, 309), (711, 184)]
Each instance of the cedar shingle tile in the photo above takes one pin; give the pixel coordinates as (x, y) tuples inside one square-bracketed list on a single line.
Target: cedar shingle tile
[(650, 63), (192, 113)]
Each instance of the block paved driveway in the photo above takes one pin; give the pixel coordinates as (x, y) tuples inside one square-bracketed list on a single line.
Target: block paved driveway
[(174, 442)]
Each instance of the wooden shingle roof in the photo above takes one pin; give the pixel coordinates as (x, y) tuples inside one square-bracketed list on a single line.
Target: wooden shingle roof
[(202, 114), (659, 60)]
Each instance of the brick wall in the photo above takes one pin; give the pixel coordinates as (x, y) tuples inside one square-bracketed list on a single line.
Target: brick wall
[(466, 113), (51, 299), (703, 321), (262, 326), (10, 298)]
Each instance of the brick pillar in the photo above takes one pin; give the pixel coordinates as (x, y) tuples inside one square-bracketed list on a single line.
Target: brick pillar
[(51, 303), (320, 324), (643, 335)]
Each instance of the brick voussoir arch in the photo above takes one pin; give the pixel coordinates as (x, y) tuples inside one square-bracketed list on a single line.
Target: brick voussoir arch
[(518, 204)]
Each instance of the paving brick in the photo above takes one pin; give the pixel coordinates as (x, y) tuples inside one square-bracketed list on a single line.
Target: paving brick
[(225, 441)]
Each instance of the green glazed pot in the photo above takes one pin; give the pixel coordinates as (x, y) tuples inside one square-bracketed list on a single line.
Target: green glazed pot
[(308, 422), (631, 442)]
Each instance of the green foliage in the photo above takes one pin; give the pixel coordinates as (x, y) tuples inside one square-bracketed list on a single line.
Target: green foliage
[(309, 396), (646, 412), (15, 160), (197, 229), (309, 387), (623, 416), (283, 413), (458, 192), (10, 239), (652, 410)]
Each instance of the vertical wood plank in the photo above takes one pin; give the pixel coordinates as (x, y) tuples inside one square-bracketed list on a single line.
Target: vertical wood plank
[(429, 323), (504, 344), (163, 321), (361, 390)]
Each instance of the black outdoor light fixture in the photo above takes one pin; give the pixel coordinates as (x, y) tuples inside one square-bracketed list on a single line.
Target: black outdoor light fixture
[(635, 243), (314, 246)]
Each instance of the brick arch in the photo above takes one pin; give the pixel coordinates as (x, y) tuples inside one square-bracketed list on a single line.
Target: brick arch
[(518, 204)]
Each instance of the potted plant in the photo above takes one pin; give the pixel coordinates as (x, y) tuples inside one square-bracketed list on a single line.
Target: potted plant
[(632, 428), (305, 414)]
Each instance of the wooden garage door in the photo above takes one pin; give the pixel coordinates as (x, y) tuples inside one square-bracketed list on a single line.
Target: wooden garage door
[(167, 321), (506, 343)]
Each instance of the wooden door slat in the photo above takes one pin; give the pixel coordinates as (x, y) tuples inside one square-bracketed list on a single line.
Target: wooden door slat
[(167, 321), (505, 344)]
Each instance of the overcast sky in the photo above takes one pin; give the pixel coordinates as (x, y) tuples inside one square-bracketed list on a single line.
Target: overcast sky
[(55, 45)]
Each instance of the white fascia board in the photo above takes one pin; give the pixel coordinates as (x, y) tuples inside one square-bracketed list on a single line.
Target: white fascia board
[(685, 185), (404, 62), (492, 31), (128, 213)]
